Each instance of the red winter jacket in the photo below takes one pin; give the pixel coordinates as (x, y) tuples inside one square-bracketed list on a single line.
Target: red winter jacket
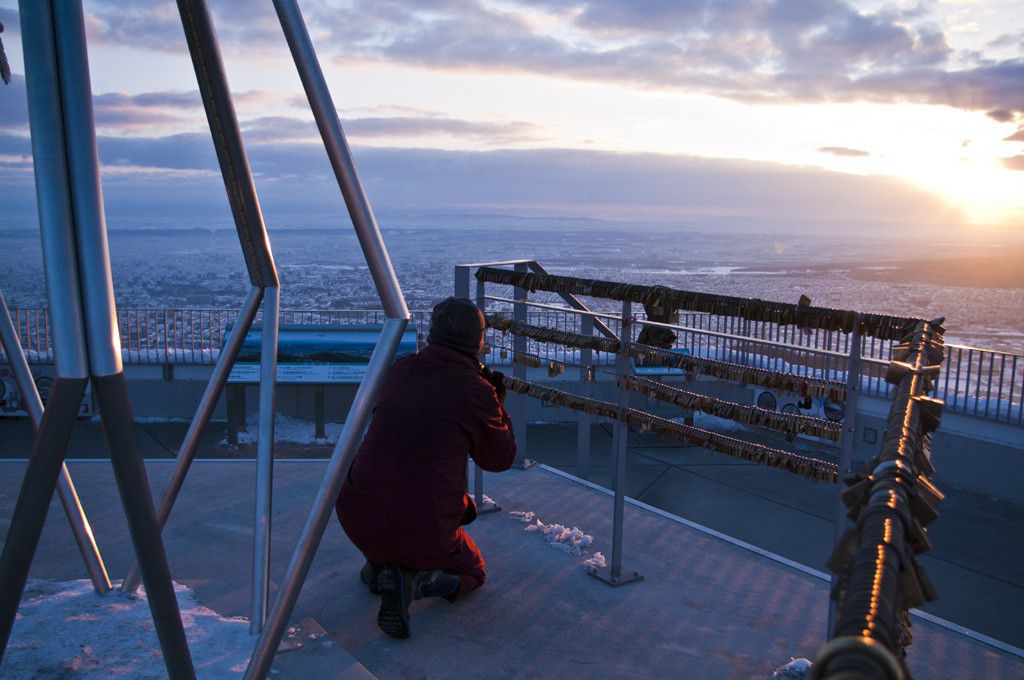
[(405, 494)]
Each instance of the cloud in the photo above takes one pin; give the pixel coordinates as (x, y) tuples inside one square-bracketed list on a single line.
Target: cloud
[(425, 124), (843, 151), (1014, 162), (767, 50), (1000, 115), (145, 179), (1017, 136)]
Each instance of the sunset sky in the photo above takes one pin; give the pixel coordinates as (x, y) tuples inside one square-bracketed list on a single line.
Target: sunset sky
[(882, 115)]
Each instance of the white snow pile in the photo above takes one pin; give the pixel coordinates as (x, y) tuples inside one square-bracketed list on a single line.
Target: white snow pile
[(570, 540), (65, 630), (595, 562), (290, 430), (796, 669)]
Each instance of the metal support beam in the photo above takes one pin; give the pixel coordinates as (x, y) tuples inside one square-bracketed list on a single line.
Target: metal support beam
[(208, 402), (80, 527), (57, 32), (577, 304), (620, 446), (326, 115), (379, 264), (854, 364), (133, 484), (326, 497), (264, 459), (227, 140), (518, 409), (37, 489), (482, 504), (584, 420)]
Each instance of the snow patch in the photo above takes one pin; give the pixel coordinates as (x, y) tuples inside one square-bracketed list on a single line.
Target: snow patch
[(64, 629), (796, 669), (290, 430), (570, 540)]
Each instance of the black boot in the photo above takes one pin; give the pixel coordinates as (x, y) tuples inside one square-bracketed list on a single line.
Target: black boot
[(434, 584), (396, 594), (368, 575)]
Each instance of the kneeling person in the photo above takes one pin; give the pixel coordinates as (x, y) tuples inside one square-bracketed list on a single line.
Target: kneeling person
[(404, 501)]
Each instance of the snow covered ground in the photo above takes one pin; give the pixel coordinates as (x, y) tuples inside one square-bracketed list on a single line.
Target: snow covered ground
[(796, 669), (570, 540), (291, 430), (65, 630)]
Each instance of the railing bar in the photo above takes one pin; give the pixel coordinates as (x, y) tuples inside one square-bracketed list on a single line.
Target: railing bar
[(999, 396), (956, 382), (1009, 399), (988, 387), (977, 380)]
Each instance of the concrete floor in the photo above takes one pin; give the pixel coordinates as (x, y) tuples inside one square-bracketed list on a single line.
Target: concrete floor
[(977, 556), (706, 609)]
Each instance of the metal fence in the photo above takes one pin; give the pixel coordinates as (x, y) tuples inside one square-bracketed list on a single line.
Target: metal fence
[(979, 382)]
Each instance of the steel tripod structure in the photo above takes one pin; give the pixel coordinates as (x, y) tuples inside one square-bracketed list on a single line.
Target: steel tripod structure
[(87, 343), (265, 288), (397, 318), (80, 527), (86, 339)]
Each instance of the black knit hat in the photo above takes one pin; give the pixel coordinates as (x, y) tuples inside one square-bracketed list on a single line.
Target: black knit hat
[(457, 323)]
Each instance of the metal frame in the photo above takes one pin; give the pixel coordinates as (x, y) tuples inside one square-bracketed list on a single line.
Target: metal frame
[(259, 259), (846, 448), (80, 527), (397, 318), (620, 452), (589, 320), (86, 338)]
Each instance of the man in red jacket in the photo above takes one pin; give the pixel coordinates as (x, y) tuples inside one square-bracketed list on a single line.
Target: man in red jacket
[(404, 501)]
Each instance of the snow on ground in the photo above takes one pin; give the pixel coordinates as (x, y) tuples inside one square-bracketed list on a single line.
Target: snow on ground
[(65, 630), (570, 540), (716, 424), (796, 669), (291, 431)]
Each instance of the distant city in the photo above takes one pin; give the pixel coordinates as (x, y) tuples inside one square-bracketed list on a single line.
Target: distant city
[(979, 287)]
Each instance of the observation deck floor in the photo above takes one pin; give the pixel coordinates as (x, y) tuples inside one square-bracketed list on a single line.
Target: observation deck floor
[(706, 608)]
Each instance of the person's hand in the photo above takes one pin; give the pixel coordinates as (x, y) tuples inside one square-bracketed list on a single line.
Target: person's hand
[(497, 379)]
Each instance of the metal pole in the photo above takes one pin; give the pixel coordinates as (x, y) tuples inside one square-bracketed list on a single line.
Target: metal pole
[(34, 498), (53, 190), (584, 419), (576, 303), (208, 402), (326, 497), (227, 141), (264, 459), (518, 408), (102, 337), (462, 282), (620, 442), (322, 105), (53, 196), (482, 506), (846, 448), (80, 527)]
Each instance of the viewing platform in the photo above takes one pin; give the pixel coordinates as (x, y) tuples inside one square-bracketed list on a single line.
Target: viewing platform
[(707, 607)]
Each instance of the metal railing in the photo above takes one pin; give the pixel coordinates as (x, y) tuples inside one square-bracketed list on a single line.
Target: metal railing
[(984, 383)]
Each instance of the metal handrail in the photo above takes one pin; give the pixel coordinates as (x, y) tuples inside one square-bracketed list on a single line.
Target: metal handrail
[(185, 335)]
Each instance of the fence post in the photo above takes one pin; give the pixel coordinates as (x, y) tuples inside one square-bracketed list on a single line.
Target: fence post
[(849, 442), (482, 505), (583, 419), (620, 445), (519, 404)]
